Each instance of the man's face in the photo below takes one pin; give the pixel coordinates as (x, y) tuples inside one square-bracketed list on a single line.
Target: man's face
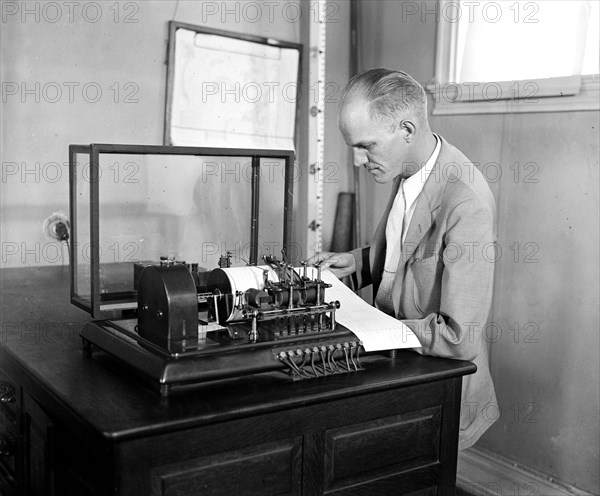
[(382, 150)]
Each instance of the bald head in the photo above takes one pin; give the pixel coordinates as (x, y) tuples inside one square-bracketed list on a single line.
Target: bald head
[(391, 96)]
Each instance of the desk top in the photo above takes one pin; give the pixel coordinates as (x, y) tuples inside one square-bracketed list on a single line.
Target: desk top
[(41, 349)]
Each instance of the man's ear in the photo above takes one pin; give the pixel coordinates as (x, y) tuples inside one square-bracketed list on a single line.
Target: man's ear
[(408, 130)]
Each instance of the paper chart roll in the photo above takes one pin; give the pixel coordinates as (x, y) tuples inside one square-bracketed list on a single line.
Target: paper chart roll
[(229, 281)]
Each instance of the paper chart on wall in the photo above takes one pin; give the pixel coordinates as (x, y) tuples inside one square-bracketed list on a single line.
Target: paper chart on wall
[(234, 93), (377, 330)]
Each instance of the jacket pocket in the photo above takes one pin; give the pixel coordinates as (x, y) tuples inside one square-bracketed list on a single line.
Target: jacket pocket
[(427, 283)]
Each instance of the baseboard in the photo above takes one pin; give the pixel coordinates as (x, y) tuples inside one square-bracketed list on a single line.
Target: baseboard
[(483, 473)]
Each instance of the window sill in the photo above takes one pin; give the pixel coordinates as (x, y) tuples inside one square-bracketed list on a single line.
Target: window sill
[(444, 102)]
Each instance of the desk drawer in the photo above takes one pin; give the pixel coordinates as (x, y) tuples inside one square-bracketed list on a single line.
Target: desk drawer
[(388, 447), (9, 435), (271, 468)]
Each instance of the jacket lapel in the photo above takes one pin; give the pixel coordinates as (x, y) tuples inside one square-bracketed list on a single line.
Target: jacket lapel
[(426, 204)]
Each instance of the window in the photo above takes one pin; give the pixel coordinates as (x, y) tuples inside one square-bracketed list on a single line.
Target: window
[(516, 56)]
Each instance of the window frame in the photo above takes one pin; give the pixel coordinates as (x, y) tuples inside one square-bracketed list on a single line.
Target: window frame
[(560, 94)]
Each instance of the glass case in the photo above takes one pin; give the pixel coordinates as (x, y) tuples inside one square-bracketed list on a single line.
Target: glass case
[(132, 205)]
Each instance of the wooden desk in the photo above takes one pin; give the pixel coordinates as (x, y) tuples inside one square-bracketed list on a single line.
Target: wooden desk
[(85, 425)]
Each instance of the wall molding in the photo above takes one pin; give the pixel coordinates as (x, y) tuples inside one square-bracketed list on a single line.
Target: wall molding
[(484, 473)]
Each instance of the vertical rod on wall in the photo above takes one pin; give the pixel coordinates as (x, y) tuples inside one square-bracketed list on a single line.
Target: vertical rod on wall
[(354, 68)]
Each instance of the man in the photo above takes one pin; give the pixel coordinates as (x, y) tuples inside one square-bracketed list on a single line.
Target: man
[(428, 262)]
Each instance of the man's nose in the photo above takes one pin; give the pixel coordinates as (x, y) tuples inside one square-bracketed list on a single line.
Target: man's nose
[(360, 158)]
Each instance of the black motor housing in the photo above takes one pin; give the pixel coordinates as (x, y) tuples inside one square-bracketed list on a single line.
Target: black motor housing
[(168, 307)]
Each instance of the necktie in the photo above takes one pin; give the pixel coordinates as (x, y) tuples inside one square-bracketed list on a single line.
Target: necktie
[(393, 236)]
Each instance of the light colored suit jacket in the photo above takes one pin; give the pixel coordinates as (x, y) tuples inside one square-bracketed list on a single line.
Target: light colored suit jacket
[(443, 284)]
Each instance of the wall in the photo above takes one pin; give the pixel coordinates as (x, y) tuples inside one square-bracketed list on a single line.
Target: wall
[(544, 322), (85, 72), (550, 291)]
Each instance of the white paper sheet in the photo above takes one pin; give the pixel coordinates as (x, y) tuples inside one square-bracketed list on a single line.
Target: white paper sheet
[(377, 330)]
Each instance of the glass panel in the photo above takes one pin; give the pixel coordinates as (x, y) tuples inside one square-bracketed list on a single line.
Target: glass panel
[(219, 216), (122, 200), (532, 40), (189, 208), (80, 239), (271, 204), (591, 59)]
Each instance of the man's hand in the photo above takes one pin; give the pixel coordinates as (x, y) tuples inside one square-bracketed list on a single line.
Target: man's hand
[(341, 264)]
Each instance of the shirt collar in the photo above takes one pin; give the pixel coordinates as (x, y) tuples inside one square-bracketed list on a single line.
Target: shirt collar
[(414, 184)]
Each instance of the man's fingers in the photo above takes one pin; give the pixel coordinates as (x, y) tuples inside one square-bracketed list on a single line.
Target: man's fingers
[(339, 263), (326, 262), (319, 258), (340, 273)]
